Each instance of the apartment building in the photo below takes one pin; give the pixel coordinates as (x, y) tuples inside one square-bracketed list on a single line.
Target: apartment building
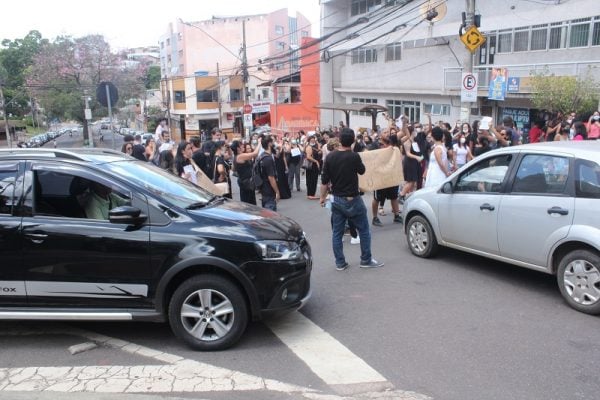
[(203, 68), (398, 54)]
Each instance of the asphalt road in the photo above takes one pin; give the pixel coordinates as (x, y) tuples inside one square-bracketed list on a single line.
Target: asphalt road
[(456, 327)]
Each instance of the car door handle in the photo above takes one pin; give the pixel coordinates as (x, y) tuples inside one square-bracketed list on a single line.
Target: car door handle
[(36, 237), (558, 210), (487, 206)]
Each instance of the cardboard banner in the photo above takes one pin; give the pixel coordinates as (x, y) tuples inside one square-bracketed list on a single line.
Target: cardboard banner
[(206, 183), (383, 169)]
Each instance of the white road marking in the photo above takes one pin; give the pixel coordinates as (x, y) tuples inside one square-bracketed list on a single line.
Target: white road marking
[(326, 357), (183, 375)]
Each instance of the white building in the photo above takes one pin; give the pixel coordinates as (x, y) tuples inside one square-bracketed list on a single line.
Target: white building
[(395, 57)]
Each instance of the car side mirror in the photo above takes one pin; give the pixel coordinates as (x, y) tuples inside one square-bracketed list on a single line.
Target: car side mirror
[(126, 215), (447, 188)]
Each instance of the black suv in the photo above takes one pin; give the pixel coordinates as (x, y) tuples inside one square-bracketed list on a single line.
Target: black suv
[(92, 234)]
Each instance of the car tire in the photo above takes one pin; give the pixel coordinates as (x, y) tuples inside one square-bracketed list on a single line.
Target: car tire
[(208, 313), (578, 279), (420, 237)]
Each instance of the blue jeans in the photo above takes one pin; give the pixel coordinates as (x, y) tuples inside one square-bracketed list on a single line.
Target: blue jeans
[(355, 212), (269, 203), (294, 173)]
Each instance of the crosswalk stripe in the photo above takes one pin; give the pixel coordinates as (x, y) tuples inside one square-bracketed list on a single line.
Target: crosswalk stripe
[(333, 362)]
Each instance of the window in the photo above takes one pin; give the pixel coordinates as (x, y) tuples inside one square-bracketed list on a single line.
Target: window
[(64, 195), (539, 35), (436, 109), (412, 109), (280, 46), (504, 42), (541, 174), (596, 34), (358, 100), (521, 40), (580, 33), (265, 94), (278, 30), (179, 96), (180, 53), (295, 94), (362, 6), (558, 36), (587, 179), (361, 56), (207, 96), (236, 94), (304, 33), (393, 51), (7, 188), (485, 177)]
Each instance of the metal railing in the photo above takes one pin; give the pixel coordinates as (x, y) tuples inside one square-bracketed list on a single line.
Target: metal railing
[(453, 75)]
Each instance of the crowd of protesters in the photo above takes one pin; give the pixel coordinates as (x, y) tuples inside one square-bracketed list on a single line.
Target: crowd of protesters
[(431, 151)]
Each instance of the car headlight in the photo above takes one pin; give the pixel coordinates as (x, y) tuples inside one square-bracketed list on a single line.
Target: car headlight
[(279, 250)]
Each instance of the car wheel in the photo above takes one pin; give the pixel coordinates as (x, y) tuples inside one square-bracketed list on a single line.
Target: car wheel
[(420, 237), (579, 280), (208, 313)]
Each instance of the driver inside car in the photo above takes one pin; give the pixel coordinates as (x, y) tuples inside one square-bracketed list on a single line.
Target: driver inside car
[(101, 200)]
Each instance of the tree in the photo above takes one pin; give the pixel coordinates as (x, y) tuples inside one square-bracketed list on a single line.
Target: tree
[(152, 79), (565, 93), (15, 57), (69, 69)]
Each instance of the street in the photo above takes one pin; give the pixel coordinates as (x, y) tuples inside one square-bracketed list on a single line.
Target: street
[(454, 327)]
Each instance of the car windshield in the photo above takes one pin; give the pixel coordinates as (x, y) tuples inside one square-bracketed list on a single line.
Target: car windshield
[(162, 184)]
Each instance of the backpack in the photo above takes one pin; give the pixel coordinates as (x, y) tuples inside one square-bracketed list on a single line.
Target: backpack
[(257, 172)]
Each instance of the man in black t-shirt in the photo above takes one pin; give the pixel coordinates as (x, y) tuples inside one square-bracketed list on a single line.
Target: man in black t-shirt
[(341, 170), (269, 190)]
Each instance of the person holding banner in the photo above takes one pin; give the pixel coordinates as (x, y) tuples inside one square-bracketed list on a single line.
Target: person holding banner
[(341, 171)]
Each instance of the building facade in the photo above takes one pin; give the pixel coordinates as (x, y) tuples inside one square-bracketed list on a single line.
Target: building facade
[(203, 69), (397, 54)]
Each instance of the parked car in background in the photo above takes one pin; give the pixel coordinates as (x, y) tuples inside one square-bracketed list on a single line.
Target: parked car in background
[(536, 206), (162, 249)]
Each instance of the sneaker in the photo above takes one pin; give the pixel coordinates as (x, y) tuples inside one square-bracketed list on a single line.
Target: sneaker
[(398, 219), (355, 240), (371, 264), (342, 267), (377, 222)]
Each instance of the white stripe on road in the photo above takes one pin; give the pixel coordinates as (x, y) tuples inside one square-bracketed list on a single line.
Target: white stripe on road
[(330, 360), (178, 374)]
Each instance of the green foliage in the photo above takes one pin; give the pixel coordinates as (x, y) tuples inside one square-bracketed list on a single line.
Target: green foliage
[(564, 93), (152, 79)]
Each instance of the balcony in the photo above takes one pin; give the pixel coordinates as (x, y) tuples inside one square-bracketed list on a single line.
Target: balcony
[(453, 76)]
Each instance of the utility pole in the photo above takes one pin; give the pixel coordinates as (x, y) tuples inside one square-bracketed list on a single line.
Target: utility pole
[(6, 126), (245, 71), (219, 96), (88, 117), (465, 112)]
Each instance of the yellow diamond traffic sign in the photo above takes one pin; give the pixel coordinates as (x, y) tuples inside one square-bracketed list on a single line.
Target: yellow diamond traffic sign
[(472, 38)]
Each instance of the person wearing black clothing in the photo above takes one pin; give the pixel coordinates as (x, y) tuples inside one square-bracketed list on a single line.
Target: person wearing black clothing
[(341, 171), (221, 167), (244, 162), (269, 190), (313, 155), (282, 173)]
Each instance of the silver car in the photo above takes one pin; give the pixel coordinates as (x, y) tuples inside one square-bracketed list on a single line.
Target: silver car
[(536, 206)]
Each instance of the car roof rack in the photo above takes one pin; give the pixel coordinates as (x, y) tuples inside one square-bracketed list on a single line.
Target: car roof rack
[(71, 154)]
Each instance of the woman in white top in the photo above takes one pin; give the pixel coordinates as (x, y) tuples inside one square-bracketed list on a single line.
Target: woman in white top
[(462, 153), (438, 168)]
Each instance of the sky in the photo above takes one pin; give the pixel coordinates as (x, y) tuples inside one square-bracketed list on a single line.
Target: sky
[(131, 23)]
